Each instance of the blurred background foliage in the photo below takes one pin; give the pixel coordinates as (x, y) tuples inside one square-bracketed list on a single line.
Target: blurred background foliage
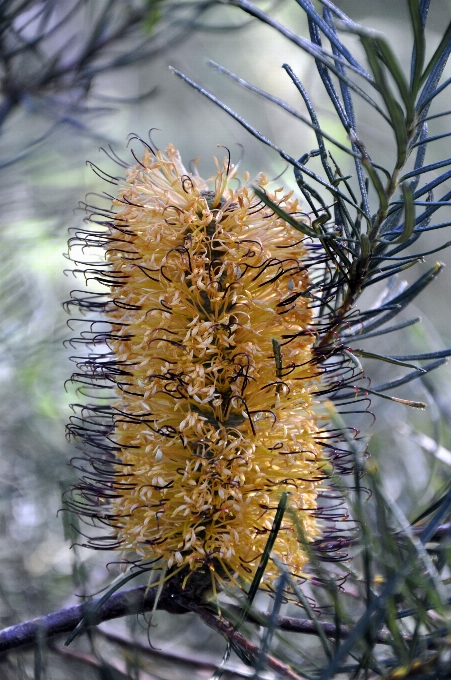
[(83, 74)]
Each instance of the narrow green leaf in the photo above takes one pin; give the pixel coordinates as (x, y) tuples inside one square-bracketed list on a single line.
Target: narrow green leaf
[(317, 53), (417, 256), (277, 357), (268, 549), (409, 214), (379, 390), (365, 245), (396, 71), (375, 179), (93, 607), (387, 359), (398, 400), (339, 179), (302, 598), (424, 357), (419, 43), (416, 172), (389, 271), (419, 285), (300, 226), (437, 54), (390, 329), (258, 135), (409, 377), (320, 221), (395, 111)]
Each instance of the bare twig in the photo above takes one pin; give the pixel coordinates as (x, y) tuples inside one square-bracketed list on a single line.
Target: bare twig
[(38, 69), (90, 660), (226, 629), (200, 662)]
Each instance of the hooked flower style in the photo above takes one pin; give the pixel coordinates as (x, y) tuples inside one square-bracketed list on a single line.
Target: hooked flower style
[(209, 353)]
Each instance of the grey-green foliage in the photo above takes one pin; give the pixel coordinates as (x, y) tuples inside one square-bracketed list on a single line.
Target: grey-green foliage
[(367, 225), (365, 236)]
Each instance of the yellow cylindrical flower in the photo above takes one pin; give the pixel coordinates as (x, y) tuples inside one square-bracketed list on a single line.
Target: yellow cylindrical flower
[(210, 350)]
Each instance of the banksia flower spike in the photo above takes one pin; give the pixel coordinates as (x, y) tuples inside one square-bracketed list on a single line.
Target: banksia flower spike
[(210, 355), (222, 373)]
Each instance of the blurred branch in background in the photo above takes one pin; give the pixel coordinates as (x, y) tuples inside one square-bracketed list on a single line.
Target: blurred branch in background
[(51, 52)]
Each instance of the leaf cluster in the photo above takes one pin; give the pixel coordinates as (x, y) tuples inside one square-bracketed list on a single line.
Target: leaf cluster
[(366, 225), (369, 226)]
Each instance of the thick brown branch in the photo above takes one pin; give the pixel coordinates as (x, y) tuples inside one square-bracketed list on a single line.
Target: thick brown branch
[(139, 600), (132, 601)]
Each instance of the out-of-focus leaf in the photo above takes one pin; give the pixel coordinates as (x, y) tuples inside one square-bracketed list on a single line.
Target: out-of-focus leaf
[(271, 629), (92, 609), (153, 14), (431, 508), (300, 595)]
